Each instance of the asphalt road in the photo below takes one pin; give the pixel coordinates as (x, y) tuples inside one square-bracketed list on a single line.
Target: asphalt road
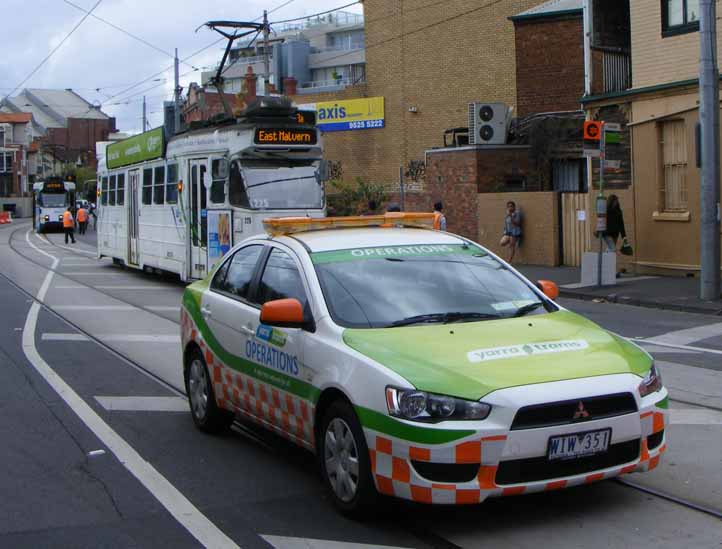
[(99, 449)]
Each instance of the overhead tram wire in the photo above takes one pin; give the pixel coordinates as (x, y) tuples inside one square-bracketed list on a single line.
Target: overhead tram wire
[(141, 82), (127, 33), (55, 49), (315, 14)]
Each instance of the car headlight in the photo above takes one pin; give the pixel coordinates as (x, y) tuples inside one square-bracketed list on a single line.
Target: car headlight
[(428, 407), (651, 383)]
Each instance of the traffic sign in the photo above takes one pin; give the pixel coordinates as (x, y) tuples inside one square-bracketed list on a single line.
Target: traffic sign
[(592, 130)]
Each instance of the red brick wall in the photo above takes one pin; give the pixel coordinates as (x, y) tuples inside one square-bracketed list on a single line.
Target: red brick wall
[(79, 138), (549, 64)]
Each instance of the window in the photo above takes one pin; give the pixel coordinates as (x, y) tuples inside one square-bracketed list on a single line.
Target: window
[(237, 188), (158, 194), (104, 192), (281, 279), (219, 170), (111, 191), (673, 189), (171, 186), (120, 198), (679, 16), (239, 274), (148, 186)]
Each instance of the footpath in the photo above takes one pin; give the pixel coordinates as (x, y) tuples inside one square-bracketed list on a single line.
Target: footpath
[(659, 292)]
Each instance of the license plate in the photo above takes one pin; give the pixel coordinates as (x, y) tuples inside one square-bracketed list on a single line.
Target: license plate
[(579, 444)]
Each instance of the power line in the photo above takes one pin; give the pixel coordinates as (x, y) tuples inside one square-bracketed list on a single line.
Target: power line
[(116, 27), (56, 48), (315, 14)]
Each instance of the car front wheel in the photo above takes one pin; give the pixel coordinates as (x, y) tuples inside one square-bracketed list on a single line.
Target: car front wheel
[(206, 414)]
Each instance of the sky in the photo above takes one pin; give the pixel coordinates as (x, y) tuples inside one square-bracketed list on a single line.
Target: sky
[(100, 63)]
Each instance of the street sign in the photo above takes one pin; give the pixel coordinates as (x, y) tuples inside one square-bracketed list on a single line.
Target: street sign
[(592, 130), (613, 165), (592, 153), (612, 127)]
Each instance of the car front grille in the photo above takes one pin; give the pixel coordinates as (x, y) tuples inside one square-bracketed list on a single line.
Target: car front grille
[(562, 413), (540, 468), (447, 472)]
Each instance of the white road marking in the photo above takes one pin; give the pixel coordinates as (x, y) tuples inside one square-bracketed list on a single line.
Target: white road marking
[(282, 542), (672, 346), (94, 308), (96, 453), (658, 349), (143, 404), (121, 338), (689, 335), (168, 495), (695, 416)]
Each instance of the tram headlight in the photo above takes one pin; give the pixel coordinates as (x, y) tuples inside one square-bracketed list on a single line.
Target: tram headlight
[(47, 218)]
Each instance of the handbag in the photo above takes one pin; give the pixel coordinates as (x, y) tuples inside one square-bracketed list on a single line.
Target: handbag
[(626, 248)]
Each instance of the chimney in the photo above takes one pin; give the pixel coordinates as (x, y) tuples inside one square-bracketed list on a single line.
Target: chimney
[(289, 85), (250, 85)]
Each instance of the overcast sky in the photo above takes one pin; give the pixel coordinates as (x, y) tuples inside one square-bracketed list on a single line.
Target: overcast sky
[(98, 56)]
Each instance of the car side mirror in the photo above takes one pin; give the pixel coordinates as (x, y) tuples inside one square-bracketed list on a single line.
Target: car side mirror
[(283, 313), (322, 172), (550, 289)]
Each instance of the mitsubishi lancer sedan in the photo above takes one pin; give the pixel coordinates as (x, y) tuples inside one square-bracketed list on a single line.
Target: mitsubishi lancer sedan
[(415, 363)]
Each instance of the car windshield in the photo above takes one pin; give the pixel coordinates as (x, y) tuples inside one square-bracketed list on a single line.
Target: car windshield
[(278, 186), (406, 285), (48, 200)]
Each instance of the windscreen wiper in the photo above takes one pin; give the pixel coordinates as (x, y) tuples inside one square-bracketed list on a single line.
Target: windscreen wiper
[(528, 308), (444, 318), (280, 181)]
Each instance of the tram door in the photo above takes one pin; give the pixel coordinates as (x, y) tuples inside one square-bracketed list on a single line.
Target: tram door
[(133, 180), (198, 217)]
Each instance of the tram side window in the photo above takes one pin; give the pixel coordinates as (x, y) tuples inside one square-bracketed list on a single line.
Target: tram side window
[(147, 186), (171, 187), (111, 191), (158, 194), (104, 192), (237, 187), (120, 198), (219, 170)]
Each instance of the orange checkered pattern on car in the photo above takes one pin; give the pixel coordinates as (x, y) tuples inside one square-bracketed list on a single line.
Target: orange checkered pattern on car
[(272, 408), (395, 476)]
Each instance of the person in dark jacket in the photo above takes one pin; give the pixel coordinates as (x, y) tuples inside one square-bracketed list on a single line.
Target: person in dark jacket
[(615, 223)]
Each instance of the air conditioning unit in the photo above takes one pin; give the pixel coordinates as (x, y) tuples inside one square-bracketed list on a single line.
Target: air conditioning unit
[(488, 123)]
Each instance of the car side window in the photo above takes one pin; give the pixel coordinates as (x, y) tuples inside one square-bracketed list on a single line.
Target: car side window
[(220, 277), (281, 279), (239, 272)]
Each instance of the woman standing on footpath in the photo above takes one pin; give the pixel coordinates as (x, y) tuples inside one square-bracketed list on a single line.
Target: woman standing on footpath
[(512, 229), (615, 223)]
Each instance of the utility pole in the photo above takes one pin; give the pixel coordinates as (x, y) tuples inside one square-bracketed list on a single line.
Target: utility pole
[(266, 64), (176, 95), (145, 121), (710, 175)]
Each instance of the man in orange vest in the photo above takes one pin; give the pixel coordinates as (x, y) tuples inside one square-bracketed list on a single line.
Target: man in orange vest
[(82, 220), (69, 226), (439, 218)]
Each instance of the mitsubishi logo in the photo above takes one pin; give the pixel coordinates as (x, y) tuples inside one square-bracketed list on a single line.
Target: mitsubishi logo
[(580, 412)]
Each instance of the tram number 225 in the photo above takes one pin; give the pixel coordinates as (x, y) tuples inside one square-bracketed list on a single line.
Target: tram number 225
[(259, 203)]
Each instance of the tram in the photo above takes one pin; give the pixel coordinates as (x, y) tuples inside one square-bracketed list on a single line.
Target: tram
[(180, 206), (50, 200)]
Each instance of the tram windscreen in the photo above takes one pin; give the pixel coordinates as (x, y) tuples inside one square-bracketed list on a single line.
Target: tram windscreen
[(271, 185), (53, 200)]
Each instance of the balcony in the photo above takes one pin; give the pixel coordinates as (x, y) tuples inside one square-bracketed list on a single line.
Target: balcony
[(612, 70)]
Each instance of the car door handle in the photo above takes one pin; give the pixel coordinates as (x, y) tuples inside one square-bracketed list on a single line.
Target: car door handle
[(248, 331), (205, 311)]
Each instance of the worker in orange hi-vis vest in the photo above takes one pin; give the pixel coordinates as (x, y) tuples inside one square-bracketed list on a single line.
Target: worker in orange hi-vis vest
[(69, 226), (439, 218), (82, 220)]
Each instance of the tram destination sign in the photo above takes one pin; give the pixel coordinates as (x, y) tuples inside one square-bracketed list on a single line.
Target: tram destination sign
[(285, 136), (54, 186), (146, 146)]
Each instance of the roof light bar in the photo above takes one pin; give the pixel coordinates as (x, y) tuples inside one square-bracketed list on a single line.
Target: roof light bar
[(289, 225)]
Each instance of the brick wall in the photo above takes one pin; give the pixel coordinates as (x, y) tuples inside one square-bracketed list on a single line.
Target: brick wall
[(549, 64), (79, 138), (540, 225)]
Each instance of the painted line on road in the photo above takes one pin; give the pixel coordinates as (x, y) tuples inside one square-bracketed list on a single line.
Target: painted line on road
[(94, 308), (282, 542), (656, 349), (197, 524), (143, 404), (672, 346), (120, 338), (689, 335)]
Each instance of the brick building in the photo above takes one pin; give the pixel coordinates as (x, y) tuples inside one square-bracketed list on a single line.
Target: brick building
[(16, 137)]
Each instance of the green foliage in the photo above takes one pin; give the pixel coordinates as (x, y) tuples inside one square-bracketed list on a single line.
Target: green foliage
[(85, 180), (352, 198)]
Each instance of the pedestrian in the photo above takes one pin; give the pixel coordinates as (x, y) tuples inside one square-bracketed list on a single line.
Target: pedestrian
[(94, 214), (82, 219), (439, 217), (615, 223), (512, 229), (69, 225)]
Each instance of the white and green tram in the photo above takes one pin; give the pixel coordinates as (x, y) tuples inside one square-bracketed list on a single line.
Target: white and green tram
[(179, 206), (51, 198)]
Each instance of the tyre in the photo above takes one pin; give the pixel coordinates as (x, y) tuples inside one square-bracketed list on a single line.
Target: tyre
[(344, 460), (207, 416)]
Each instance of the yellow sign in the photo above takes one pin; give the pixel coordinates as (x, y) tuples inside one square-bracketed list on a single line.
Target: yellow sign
[(350, 114)]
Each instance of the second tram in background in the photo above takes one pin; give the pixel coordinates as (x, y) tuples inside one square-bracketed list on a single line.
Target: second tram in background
[(180, 207), (51, 198)]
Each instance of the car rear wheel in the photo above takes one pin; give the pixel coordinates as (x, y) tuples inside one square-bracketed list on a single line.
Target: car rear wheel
[(207, 416), (344, 460)]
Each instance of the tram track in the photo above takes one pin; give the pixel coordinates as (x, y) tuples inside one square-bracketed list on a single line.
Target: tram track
[(425, 535)]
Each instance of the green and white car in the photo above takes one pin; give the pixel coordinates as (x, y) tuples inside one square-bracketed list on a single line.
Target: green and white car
[(415, 364)]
